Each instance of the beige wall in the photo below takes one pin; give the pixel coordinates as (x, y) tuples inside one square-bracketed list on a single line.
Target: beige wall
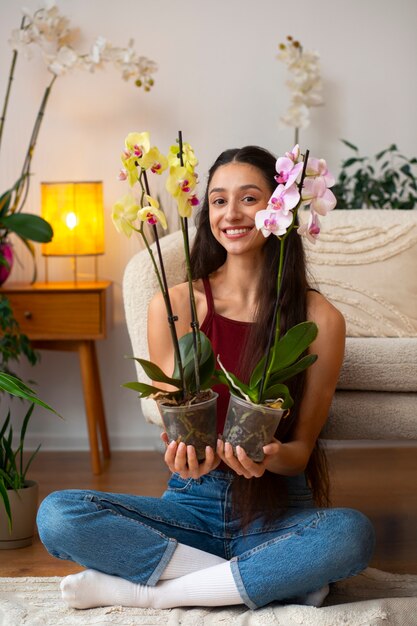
[(219, 81)]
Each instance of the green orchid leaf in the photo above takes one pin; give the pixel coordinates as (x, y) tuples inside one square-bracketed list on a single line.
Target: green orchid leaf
[(155, 373), (28, 226), (235, 384), (274, 392), (207, 371), (186, 345), (287, 350), (287, 373), (143, 389), (257, 373)]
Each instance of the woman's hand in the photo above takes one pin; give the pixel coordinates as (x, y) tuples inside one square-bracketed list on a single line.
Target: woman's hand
[(242, 464), (182, 459)]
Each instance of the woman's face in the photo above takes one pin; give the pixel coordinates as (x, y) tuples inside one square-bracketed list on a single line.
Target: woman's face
[(236, 192)]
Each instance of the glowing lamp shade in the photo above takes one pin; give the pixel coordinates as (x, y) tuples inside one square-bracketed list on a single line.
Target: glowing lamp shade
[(75, 212)]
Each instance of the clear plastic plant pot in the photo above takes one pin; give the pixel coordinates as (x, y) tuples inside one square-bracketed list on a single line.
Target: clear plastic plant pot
[(194, 424), (251, 426)]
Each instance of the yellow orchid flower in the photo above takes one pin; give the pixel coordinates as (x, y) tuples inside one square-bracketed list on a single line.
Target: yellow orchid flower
[(155, 161), (131, 168), (186, 202), (124, 213), (138, 143), (180, 180), (189, 158), (152, 213)]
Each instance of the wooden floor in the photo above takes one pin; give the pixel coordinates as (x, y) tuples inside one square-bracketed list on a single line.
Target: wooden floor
[(381, 482)]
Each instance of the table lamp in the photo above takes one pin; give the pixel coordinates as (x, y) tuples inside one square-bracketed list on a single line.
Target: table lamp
[(75, 212)]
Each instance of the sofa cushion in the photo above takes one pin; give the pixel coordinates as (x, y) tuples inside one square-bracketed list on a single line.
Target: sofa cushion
[(371, 415), (365, 263), (379, 364)]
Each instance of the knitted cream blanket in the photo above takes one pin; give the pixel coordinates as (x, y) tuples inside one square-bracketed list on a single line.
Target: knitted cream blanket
[(373, 598)]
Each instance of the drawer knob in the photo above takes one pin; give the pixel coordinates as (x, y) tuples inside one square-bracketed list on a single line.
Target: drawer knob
[(27, 315)]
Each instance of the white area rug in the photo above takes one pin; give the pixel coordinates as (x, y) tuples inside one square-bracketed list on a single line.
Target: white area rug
[(373, 598)]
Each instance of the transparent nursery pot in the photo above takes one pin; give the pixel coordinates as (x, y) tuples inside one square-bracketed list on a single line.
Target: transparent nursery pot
[(251, 426), (194, 424)]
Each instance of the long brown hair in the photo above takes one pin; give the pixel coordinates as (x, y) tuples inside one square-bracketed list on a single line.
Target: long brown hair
[(268, 493)]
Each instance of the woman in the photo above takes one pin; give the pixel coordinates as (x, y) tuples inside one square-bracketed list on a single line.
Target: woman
[(228, 530)]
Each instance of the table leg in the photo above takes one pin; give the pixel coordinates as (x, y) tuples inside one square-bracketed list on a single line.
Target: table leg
[(91, 393), (99, 407)]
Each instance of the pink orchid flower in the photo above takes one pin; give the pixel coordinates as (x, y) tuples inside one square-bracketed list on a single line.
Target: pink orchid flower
[(317, 195), (318, 167), (311, 230), (284, 198), (288, 171), (294, 155), (275, 222)]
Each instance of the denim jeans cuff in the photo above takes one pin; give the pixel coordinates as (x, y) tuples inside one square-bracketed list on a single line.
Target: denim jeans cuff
[(239, 584), (159, 569)]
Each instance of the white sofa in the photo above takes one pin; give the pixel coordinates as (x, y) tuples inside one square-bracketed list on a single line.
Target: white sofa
[(366, 263)]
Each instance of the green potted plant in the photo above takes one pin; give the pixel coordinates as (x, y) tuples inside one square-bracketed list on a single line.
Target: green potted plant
[(388, 180), (18, 495), (16, 529), (189, 410), (256, 408)]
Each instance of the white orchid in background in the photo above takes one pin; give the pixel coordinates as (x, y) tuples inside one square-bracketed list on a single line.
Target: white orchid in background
[(50, 32), (305, 83)]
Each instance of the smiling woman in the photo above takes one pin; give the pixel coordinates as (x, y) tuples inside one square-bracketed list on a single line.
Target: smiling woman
[(223, 531)]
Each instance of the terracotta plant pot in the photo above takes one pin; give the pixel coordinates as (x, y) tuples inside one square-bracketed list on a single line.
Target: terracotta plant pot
[(250, 426), (6, 253), (195, 424), (24, 505)]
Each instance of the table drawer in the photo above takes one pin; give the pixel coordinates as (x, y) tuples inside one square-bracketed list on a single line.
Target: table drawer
[(59, 315)]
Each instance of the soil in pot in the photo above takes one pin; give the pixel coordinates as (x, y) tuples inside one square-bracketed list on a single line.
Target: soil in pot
[(250, 426), (194, 423)]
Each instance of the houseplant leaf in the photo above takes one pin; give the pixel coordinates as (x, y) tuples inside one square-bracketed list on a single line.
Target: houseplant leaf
[(28, 226)]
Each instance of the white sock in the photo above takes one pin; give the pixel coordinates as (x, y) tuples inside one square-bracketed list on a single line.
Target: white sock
[(186, 560), (214, 586)]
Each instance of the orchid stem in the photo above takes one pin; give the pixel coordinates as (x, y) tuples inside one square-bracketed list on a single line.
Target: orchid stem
[(165, 292), (9, 86), (193, 308), (24, 181)]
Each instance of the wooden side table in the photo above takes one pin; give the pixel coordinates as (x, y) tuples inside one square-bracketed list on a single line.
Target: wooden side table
[(69, 316)]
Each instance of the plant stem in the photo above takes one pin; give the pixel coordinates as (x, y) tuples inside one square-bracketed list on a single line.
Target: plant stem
[(296, 135), (165, 293), (24, 181), (9, 86), (193, 308), (275, 323)]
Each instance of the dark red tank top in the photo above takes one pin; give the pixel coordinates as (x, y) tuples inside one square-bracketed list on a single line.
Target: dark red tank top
[(228, 339)]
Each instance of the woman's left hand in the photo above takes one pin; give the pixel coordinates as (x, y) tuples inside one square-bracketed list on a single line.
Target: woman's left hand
[(242, 464)]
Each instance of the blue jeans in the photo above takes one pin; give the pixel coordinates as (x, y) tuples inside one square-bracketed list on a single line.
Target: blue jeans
[(134, 537)]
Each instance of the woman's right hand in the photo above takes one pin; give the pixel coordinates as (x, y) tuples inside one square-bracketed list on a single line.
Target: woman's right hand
[(182, 459)]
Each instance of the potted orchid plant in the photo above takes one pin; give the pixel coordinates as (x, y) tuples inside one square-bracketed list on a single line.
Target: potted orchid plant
[(256, 408), (189, 410)]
